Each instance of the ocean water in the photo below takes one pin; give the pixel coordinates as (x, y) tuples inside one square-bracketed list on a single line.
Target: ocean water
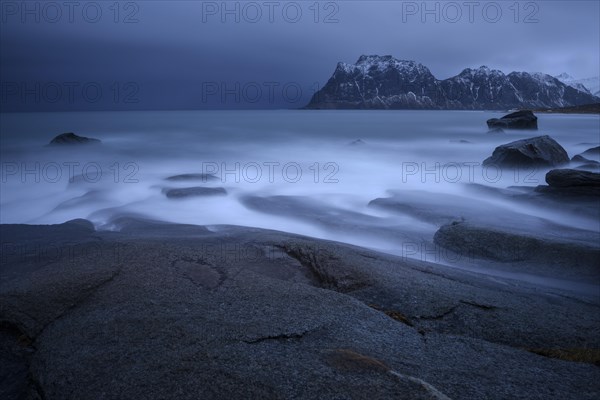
[(428, 155)]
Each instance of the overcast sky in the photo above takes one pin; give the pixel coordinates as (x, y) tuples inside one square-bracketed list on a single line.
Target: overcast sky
[(194, 54)]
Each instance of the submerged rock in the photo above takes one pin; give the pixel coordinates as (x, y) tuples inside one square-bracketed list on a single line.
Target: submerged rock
[(491, 243), (580, 158), (540, 151), (71, 138), (196, 191), (589, 159), (592, 166), (496, 130), (357, 142), (593, 152), (524, 119), (192, 177)]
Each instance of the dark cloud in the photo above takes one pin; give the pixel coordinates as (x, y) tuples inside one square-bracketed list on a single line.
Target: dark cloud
[(175, 51)]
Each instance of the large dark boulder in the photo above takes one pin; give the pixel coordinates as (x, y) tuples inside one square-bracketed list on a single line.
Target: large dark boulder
[(71, 138), (572, 178), (572, 185), (524, 119), (540, 151)]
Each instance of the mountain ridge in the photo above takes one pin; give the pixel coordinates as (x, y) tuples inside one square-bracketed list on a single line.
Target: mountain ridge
[(384, 82), (591, 84)]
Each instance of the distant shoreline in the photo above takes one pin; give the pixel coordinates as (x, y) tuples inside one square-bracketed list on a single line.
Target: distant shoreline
[(584, 109)]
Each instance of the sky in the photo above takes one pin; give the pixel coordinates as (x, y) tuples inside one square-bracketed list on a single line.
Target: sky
[(79, 55)]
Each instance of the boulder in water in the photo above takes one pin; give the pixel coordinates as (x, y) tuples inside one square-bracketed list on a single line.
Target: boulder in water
[(540, 151), (192, 177), (572, 178), (524, 119), (196, 191), (70, 138)]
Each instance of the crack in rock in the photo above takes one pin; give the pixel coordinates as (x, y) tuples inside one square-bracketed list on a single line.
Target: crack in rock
[(481, 306), (325, 269), (34, 389), (393, 314), (439, 316), (86, 294), (281, 336)]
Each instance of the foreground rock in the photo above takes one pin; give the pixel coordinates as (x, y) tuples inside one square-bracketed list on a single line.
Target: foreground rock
[(333, 219), (540, 151), (557, 202), (518, 120), (71, 138), (441, 209), (248, 313), (438, 208), (502, 211), (572, 178), (474, 240), (196, 191)]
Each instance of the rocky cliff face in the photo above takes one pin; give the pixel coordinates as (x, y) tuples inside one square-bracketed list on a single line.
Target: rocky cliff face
[(383, 82)]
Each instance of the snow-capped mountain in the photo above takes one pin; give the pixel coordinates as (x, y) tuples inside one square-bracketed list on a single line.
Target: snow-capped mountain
[(383, 82), (588, 84), (375, 82)]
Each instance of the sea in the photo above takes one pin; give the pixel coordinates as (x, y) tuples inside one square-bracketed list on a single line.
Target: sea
[(335, 162)]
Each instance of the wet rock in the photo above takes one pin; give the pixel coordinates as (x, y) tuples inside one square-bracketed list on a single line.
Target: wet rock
[(593, 152), (593, 166), (192, 177), (70, 138), (524, 119), (196, 191), (564, 178), (580, 158), (540, 151), (510, 246)]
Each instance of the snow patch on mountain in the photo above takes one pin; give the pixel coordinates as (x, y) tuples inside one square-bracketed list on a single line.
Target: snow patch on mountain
[(590, 85), (389, 83)]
